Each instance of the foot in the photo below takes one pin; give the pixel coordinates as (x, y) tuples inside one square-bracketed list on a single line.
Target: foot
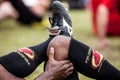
[(61, 23), (103, 44)]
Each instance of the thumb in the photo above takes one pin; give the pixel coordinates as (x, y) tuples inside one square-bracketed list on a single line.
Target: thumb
[(51, 54)]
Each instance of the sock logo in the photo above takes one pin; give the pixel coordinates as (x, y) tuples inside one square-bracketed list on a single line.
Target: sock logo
[(97, 59), (28, 52)]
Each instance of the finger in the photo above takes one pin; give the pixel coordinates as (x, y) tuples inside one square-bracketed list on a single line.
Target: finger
[(67, 66), (70, 69), (51, 54), (68, 72), (70, 65)]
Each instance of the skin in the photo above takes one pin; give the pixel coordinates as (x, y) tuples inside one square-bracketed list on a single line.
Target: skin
[(102, 21), (7, 10), (41, 8), (60, 46)]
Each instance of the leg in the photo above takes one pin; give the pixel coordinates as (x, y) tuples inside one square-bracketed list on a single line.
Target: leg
[(91, 63), (85, 60), (7, 11), (26, 16), (56, 70), (40, 7), (23, 62)]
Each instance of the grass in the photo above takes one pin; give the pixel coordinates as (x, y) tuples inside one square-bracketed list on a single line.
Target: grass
[(13, 37)]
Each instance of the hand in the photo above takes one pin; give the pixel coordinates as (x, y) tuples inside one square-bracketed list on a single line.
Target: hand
[(58, 69)]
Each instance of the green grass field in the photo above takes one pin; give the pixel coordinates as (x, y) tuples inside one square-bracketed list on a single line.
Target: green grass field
[(13, 37)]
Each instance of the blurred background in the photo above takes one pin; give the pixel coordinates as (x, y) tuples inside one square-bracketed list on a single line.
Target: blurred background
[(14, 35)]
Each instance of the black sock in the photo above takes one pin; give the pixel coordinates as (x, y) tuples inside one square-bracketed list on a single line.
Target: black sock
[(108, 72), (40, 50), (26, 16), (88, 61), (24, 61), (18, 64)]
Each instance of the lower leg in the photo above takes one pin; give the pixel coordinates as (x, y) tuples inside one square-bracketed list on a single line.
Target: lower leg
[(90, 62), (85, 60), (23, 62)]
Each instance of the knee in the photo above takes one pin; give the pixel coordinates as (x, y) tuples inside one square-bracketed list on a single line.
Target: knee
[(61, 46)]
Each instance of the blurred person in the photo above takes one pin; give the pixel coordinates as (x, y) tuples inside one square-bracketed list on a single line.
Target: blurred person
[(87, 4), (24, 11), (106, 20), (56, 70)]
